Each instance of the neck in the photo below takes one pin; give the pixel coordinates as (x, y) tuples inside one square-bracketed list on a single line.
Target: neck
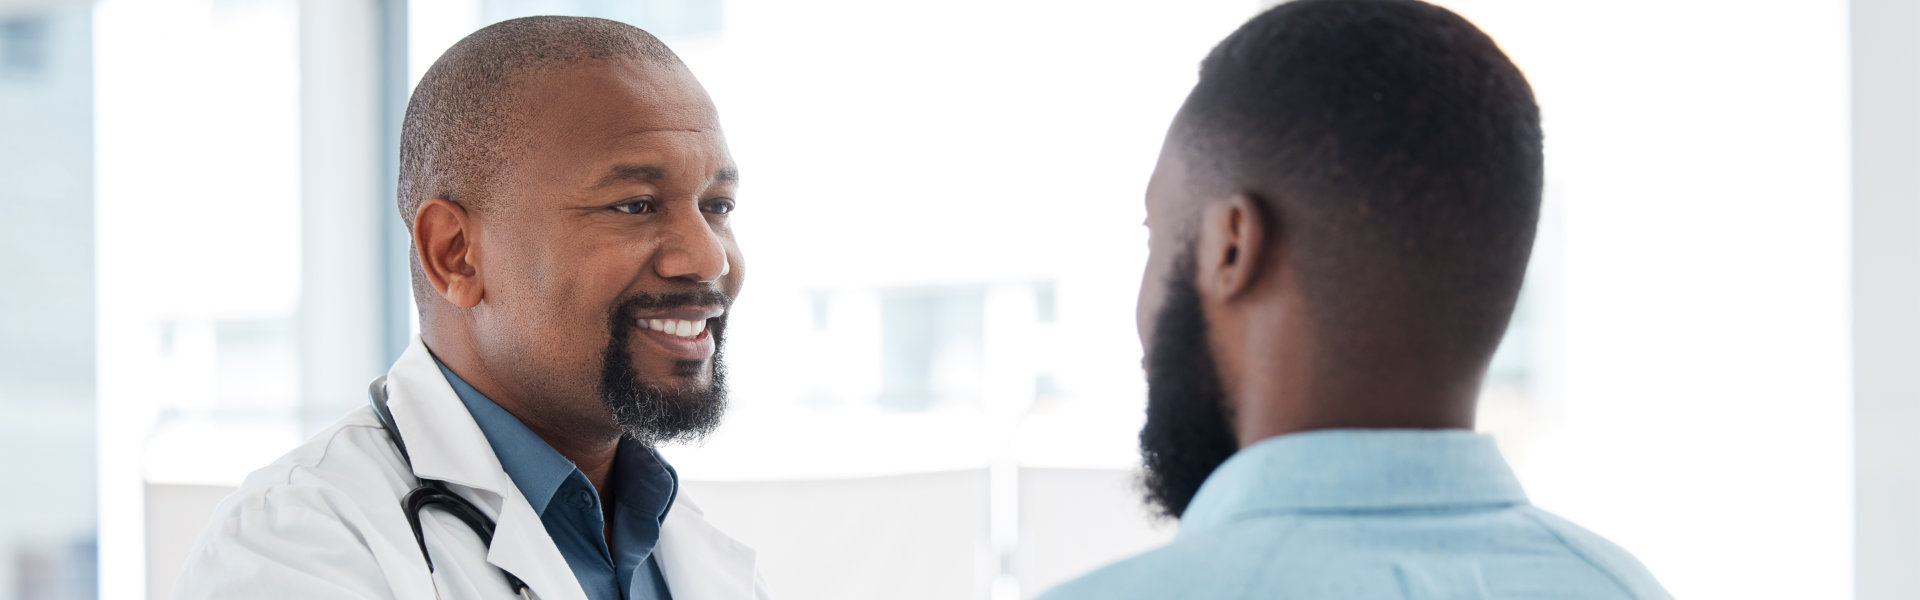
[(1281, 379), (591, 449), (1258, 421), (1301, 397), (592, 454)]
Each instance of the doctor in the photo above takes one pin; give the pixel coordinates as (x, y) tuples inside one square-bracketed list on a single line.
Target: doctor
[(568, 192)]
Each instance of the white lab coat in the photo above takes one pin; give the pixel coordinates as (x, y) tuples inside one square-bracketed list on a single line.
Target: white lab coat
[(325, 521)]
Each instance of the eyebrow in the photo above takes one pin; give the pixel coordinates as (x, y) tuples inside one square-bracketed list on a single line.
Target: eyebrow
[(631, 174), (649, 174)]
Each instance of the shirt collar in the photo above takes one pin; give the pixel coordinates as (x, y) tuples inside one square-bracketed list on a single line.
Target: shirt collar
[(535, 467), (1355, 469), (648, 485)]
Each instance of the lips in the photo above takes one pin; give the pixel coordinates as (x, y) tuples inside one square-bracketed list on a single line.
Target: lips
[(684, 334)]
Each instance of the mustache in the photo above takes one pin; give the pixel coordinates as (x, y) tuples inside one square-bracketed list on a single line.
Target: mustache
[(631, 305)]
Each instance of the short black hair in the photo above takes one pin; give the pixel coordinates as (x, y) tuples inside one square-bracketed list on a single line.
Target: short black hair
[(461, 123), (1398, 151)]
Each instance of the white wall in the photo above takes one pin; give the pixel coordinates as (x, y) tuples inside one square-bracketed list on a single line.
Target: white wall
[(197, 204), (1700, 149)]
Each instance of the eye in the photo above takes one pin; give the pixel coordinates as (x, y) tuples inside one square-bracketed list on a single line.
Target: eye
[(720, 206), (641, 205)]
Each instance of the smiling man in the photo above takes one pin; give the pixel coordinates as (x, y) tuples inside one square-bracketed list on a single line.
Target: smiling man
[(568, 192)]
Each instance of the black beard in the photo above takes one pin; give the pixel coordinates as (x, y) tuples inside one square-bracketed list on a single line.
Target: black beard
[(1188, 432), (650, 412)]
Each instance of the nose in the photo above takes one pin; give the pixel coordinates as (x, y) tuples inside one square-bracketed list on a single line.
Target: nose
[(692, 250)]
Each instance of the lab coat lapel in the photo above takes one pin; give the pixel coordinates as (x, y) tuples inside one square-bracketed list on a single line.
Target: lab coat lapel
[(450, 447), (522, 547), (699, 561)]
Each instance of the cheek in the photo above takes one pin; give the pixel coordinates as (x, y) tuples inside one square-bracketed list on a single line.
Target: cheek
[(1152, 294), (564, 292)]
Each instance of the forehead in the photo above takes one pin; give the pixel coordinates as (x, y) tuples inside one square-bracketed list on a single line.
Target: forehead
[(1169, 180), (618, 106)]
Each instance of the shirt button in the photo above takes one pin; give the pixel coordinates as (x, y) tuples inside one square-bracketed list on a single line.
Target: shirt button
[(583, 499)]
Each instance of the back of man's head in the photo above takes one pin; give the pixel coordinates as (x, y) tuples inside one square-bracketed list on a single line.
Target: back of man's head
[(1400, 151), (1342, 217)]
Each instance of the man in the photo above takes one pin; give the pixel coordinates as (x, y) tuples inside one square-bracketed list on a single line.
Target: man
[(1340, 221), (568, 190)]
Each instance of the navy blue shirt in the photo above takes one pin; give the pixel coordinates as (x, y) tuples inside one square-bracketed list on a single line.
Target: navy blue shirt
[(643, 489)]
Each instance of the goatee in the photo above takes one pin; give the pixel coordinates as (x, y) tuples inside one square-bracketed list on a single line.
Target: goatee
[(655, 413)]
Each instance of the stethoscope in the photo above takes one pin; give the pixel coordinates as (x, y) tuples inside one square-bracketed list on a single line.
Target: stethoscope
[(432, 493)]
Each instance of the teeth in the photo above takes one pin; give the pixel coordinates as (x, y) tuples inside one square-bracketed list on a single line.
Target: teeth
[(678, 327)]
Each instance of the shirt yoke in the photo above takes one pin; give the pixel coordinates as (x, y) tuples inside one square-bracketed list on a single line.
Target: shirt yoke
[(1510, 552)]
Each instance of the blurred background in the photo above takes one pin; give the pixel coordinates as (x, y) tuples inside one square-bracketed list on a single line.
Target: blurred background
[(936, 377)]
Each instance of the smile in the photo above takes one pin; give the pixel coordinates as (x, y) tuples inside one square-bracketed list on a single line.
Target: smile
[(683, 334), (677, 327)]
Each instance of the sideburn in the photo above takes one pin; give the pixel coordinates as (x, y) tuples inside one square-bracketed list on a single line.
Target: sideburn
[(1188, 432)]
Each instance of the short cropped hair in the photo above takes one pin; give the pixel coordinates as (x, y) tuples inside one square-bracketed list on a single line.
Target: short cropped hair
[(463, 121), (1400, 151)]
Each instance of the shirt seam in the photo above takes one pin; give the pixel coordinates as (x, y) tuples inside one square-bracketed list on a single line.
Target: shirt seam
[(326, 451), (1584, 557), (1279, 541), (1476, 506)]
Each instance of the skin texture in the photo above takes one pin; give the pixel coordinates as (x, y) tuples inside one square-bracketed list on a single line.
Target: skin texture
[(523, 289), (1263, 341)]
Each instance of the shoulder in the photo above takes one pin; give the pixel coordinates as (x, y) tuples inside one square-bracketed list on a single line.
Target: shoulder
[(1603, 555), (349, 463), (1219, 564), (308, 525), (1520, 552)]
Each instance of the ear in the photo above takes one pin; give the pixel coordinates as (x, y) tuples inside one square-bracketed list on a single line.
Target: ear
[(1232, 246), (443, 237)]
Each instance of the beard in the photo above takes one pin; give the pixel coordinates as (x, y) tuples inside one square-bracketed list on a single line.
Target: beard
[(1189, 430), (655, 413)]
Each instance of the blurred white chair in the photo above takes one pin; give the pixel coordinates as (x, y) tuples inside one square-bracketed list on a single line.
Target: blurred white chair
[(175, 515), (921, 536), (1075, 520)]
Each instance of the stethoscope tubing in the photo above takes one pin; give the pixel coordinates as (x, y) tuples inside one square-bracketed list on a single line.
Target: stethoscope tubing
[(433, 493)]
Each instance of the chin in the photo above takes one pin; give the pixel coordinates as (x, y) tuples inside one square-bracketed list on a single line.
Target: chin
[(694, 373)]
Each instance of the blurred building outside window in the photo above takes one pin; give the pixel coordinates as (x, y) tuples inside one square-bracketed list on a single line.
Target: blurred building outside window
[(47, 351)]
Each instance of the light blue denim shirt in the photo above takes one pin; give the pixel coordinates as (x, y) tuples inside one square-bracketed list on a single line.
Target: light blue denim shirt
[(643, 486), (1370, 514)]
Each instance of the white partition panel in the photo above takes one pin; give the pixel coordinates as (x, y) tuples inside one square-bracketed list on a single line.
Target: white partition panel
[(1886, 298), (1072, 521), (921, 536)]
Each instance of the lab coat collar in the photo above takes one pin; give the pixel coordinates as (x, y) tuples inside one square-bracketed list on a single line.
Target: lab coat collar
[(697, 560), (450, 447)]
